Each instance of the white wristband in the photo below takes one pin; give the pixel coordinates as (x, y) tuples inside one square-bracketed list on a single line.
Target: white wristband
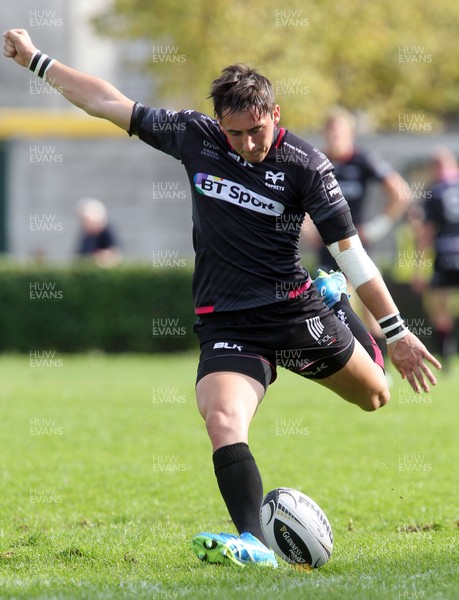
[(40, 63), (397, 337), (393, 327)]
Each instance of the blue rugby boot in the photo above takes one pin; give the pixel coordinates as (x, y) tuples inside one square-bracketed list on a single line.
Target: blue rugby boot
[(330, 286), (227, 548)]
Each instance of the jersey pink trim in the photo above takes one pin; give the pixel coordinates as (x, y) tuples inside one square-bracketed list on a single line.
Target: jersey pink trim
[(202, 310), (280, 137), (379, 358), (300, 290)]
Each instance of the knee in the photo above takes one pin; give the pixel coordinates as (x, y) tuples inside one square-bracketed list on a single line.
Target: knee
[(227, 403), (376, 399), (224, 425), (217, 419)]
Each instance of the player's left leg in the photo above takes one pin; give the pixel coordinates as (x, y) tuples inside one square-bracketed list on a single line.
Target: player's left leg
[(228, 401)]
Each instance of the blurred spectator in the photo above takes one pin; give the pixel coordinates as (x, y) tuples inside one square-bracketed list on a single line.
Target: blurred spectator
[(97, 239), (355, 169), (436, 225)]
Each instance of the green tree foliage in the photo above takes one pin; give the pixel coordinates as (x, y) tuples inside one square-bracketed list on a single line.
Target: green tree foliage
[(392, 60)]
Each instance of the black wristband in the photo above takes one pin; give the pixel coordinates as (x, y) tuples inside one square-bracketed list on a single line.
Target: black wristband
[(40, 63), (34, 62), (393, 327)]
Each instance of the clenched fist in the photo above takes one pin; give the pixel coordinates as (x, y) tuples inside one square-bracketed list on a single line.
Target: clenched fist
[(18, 46)]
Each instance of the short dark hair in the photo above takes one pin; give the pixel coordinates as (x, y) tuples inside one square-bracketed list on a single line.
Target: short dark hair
[(240, 88)]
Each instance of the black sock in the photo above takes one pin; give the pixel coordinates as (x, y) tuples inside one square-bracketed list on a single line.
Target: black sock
[(240, 485), (345, 313)]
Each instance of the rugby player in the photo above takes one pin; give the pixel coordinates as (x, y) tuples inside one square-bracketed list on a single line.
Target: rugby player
[(257, 307), (355, 169), (436, 224)]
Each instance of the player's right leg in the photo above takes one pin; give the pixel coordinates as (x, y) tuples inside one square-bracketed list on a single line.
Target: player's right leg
[(332, 288), (361, 381), (227, 400)]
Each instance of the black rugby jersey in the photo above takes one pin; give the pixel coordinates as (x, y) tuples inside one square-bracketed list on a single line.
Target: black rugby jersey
[(442, 209), (246, 217), (354, 175)]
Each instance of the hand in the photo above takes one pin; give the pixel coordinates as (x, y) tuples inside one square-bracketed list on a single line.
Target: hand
[(407, 355), (18, 46)]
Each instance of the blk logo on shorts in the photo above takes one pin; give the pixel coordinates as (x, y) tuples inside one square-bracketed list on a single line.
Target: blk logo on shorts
[(227, 346), (313, 371), (315, 327)]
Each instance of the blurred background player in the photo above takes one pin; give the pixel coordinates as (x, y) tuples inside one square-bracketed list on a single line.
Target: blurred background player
[(97, 240), (355, 169), (436, 225)]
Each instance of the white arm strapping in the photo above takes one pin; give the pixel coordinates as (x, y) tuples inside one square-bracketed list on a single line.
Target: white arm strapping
[(353, 261)]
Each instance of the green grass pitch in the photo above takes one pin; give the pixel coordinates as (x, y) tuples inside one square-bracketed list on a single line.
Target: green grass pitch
[(106, 474)]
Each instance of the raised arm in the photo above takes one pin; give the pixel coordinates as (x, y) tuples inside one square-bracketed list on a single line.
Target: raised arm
[(95, 96)]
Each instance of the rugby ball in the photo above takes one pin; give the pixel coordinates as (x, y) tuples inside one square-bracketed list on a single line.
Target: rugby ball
[(296, 528)]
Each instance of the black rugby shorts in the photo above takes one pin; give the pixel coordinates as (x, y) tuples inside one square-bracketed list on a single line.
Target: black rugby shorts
[(301, 335)]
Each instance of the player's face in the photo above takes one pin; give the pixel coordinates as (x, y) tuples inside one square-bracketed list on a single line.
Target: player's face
[(444, 166), (340, 137), (251, 135)]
